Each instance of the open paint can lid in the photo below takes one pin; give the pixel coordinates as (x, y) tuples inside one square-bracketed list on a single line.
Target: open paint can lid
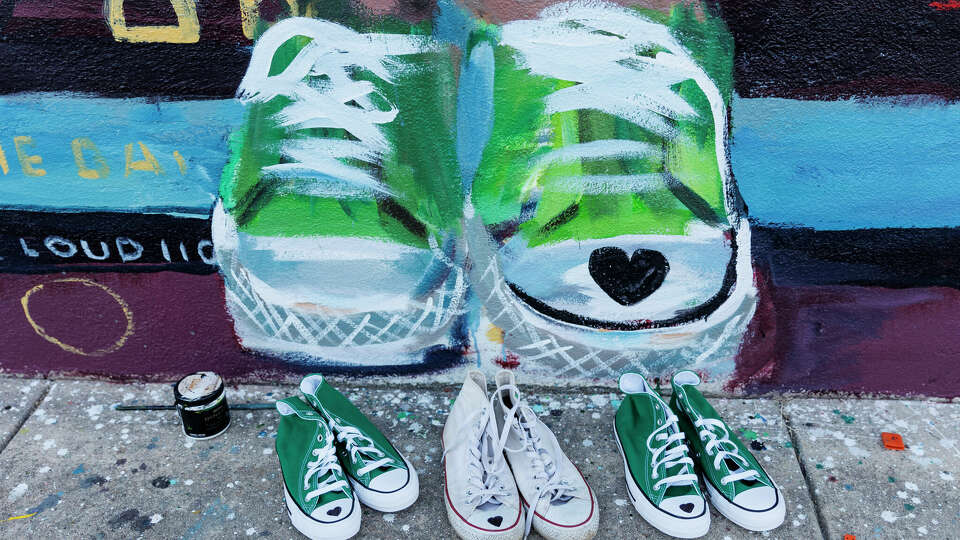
[(198, 388)]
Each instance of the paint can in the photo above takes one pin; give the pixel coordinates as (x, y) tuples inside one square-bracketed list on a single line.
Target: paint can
[(202, 405)]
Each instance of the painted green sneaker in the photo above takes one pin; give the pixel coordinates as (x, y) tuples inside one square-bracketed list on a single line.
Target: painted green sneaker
[(607, 193), (382, 478), (660, 475), (736, 483), (337, 222), (320, 501)]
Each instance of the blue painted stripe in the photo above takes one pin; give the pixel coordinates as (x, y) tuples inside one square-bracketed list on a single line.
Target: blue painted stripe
[(828, 165), (198, 130), (848, 164)]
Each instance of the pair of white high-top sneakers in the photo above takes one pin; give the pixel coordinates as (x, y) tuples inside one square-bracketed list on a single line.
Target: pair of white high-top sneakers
[(504, 471)]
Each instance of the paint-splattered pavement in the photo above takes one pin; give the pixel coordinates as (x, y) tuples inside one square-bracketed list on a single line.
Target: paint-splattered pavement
[(74, 467)]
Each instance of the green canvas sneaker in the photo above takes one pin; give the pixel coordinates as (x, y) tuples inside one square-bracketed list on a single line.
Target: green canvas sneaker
[(737, 485), (319, 499), (660, 475), (382, 478)]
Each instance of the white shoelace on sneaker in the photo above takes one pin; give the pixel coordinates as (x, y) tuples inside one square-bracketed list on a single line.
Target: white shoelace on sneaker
[(325, 463), (717, 442), (361, 448), (522, 420), (671, 453), (487, 466)]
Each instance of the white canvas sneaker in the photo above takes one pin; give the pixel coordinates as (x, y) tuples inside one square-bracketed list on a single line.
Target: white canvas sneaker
[(555, 495), (480, 494)]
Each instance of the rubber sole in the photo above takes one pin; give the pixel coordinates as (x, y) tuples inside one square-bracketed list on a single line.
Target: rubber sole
[(758, 521)]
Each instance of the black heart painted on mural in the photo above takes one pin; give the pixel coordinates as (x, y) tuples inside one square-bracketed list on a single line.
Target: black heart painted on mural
[(687, 507), (335, 511), (495, 520), (628, 280)]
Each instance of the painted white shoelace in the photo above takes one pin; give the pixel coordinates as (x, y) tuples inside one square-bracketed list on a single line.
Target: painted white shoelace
[(324, 94), (486, 467), (325, 464), (715, 442), (671, 453), (361, 448), (523, 420)]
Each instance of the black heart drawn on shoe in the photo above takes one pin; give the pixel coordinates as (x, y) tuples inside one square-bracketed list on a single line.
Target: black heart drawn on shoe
[(628, 280), (334, 511), (495, 520), (687, 507)]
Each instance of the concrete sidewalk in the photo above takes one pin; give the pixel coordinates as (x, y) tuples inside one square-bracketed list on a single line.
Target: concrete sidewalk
[(73, 467)]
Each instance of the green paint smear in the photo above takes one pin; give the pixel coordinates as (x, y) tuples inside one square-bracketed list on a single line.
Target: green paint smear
[(891, 479), (748, 434), (846, 418), (788, 444), (819, 466), (522, 132), (908, 507)]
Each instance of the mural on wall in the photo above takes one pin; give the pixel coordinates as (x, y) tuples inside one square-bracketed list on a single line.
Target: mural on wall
[(398, 187), (569, 191)]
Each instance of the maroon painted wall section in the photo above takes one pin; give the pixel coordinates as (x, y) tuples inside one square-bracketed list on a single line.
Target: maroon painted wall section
[(802, 338), (857, 339)]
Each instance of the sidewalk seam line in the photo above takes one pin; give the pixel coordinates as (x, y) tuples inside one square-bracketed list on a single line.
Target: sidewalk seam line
[(31, 409), (794, 440)]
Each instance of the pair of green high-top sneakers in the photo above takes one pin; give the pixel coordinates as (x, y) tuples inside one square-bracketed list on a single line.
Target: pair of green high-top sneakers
[(667, 449), (332, 458)]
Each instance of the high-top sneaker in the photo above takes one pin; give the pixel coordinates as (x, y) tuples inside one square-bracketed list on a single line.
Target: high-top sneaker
[(382, 478), (661, 480), (320, 501), (480, 494), (736, 483), (558, 502)]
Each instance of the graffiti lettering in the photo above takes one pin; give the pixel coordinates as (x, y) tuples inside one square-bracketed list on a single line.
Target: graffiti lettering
[(127, 249), (90, 161)]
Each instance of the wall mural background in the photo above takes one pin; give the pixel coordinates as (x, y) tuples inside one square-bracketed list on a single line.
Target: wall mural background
[(402, 187)]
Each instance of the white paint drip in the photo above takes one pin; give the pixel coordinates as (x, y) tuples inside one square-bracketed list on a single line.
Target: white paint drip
[(888, 516), (17, 492), (155, 518), (911, 486)]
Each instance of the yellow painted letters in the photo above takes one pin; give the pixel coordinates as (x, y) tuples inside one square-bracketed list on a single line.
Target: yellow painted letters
[(148, 163), (27, 161), (102, 169), (3, 161)]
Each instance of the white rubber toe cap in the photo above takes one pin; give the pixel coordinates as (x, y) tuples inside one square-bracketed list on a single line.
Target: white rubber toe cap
[(757, 499), (391, 480)]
